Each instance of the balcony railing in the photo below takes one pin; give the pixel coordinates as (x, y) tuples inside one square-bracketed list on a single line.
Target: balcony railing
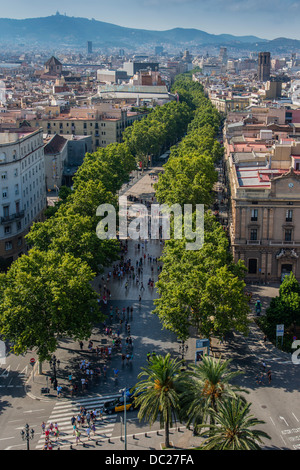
[(11, 217), (284, 242), (253, 242)]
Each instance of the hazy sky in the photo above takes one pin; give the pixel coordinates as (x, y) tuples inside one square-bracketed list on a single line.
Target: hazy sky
[(263, 18)]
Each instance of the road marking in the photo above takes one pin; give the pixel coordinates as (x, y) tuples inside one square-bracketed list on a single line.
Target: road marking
[(5, 373), (62, 413), (281, 417), (33, 411), (295, 417), (272, 421)]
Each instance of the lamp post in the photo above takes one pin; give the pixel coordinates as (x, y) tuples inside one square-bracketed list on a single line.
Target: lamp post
[(183, 349), (125, 419), (27, 434), (53, 363)]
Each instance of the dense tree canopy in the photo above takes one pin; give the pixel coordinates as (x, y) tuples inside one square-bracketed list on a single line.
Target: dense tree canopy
[(46, 296), (202, 288)]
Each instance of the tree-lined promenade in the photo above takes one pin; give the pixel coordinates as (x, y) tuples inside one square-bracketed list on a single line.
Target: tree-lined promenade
[(201, 288), (47, 294)]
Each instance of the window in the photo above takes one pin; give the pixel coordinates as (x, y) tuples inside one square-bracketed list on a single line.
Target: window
[(253, 234), (7, 229), (5, 193), (4, 175), (289, 215), (254, 213), (288, 235), (8, 246), (252, 266)]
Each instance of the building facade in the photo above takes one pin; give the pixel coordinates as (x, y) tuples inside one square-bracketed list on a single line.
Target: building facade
[(23, 194), (265, 211), (264, 66), (103, 129)]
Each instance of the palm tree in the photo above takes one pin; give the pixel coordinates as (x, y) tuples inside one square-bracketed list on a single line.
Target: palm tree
[(232, 428), (207, 385), (157, 395)]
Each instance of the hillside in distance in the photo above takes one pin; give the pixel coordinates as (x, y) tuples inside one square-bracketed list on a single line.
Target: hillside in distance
[(64, 30)]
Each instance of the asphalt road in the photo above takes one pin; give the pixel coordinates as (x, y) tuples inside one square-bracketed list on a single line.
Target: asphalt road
[(276, 403)]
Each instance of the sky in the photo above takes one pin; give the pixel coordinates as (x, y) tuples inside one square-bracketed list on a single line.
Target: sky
[(267, 19)]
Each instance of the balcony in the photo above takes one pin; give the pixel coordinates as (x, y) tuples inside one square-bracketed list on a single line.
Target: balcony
[(10, 218), (284, 243), (253, 242)]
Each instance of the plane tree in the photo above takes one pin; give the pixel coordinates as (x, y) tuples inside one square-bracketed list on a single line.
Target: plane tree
[(46, 296)]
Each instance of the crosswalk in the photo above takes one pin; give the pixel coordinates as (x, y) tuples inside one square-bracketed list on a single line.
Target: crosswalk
[(63, 411)]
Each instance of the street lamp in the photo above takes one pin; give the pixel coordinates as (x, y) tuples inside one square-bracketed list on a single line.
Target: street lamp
[(125, 418), (183, 349), (53, 362), (27, 434)]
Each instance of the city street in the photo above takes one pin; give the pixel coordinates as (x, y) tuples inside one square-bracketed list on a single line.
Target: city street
[(273, 402)]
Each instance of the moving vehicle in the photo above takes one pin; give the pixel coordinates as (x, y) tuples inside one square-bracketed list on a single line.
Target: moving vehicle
[(118, 404)]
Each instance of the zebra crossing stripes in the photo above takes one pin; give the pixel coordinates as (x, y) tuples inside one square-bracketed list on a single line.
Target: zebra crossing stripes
[(63, 411)]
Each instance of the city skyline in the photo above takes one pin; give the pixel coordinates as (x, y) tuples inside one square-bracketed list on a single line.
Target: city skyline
[(249, 17)]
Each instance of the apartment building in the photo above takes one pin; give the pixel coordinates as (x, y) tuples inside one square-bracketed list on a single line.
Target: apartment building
[(22, 192), (264, 222), (104, 127)]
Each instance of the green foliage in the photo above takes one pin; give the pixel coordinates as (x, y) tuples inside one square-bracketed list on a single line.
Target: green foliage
[(233, 428), (158, 130), (45, 296), (157, 393), (202, 288), (207, 384), (283, 309)]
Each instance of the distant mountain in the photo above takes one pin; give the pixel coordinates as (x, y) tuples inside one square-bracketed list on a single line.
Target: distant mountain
[(64, 30), (60, 30)]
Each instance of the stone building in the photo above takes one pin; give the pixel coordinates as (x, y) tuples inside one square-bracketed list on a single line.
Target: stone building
[(265, 209)]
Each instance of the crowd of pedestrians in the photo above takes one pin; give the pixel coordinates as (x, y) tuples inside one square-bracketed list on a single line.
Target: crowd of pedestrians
[(132, 273)]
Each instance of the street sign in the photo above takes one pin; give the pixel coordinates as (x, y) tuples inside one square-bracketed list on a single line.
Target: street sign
[(279, 330), (202, 343), (32, 361), (199, 355)]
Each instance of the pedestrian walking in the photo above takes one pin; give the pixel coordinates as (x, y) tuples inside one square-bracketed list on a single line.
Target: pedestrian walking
[(78, 434), (269, 375)]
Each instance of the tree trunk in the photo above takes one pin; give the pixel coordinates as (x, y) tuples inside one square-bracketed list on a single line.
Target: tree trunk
[(167, 435)]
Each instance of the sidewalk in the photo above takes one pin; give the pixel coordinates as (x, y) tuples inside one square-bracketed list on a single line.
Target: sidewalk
[(70, 354)]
